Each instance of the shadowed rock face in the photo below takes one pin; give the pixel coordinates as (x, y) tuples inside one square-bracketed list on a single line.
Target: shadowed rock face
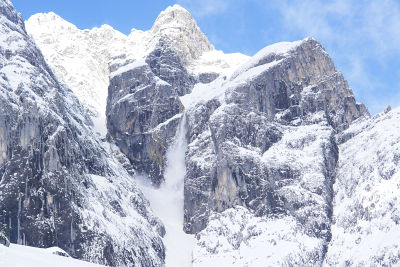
[(166, 64), (59, 184), (143, 103), (142, 116)]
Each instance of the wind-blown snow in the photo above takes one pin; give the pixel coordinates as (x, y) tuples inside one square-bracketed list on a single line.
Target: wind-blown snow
[(80, 58), (167, 202), (205, 92), (24, 256)]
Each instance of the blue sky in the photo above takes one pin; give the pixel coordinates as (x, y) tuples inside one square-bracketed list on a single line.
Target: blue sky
[(362, 37)]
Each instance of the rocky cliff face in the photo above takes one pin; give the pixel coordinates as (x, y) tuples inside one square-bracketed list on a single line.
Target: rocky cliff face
[(364, 224), (173, 42), (283, 89), (143, 103), (60, 185), (80, 58), (142, 117)]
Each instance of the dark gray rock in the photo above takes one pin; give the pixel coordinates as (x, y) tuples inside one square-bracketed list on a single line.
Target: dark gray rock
[(142, 116), (207, 77), (217, 147), (143, 104), (165, 63)]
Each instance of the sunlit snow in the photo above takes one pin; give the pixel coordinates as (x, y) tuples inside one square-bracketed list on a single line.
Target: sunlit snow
[(24, 256)]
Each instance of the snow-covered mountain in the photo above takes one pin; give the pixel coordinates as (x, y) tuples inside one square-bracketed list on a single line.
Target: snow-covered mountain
[(248, 161)]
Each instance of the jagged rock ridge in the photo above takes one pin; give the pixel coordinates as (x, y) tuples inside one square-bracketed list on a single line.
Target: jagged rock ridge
[(80, 57), (143, 105)]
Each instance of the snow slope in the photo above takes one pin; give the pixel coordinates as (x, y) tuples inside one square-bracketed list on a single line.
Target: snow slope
[(24, 256), (366, 214), (238, 238)]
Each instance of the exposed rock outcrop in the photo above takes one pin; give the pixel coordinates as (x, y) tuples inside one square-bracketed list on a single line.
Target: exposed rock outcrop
[(142, 116), (185, 36)]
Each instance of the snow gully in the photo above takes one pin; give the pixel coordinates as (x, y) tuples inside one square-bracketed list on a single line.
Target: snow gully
[(167, 201)]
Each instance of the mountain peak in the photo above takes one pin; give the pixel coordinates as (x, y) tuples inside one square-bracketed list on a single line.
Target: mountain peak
[(175, 15), (177, 24), (176, 7), (49, 21)]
